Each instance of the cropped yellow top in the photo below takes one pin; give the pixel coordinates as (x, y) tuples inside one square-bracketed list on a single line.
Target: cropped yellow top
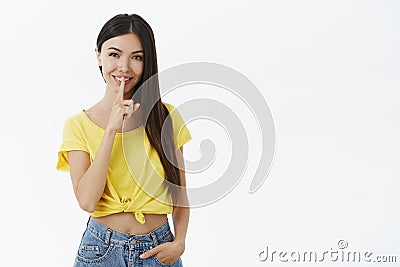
[(135, 174)]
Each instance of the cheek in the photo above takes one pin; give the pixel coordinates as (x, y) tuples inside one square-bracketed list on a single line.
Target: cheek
[(108, 65), (137, 68)]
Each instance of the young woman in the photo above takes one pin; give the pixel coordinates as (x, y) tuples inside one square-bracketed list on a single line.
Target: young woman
[(124, 155)]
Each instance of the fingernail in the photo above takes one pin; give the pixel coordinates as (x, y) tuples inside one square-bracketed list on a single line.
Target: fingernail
[(141, 256)]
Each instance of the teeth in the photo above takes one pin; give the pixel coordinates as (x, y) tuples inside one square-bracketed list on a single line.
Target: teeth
[(121, 78)]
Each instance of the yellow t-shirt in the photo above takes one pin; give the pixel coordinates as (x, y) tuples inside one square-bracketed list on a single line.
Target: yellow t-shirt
[(135, 174)]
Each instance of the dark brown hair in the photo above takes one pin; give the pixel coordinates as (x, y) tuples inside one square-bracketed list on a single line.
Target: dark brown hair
[(154, 112)]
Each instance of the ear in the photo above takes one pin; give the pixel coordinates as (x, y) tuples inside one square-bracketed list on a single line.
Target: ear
[(97, 56)]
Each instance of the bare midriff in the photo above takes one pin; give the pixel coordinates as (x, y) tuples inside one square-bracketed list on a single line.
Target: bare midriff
[(126, 222)]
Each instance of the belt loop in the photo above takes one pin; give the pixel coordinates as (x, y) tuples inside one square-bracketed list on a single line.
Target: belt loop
[(108, 237), (153, 235)]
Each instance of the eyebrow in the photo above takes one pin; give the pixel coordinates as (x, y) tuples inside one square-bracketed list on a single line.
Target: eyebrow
[(119, 50)]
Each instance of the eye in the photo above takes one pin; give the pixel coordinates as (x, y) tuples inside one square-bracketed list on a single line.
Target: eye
[(138, 57), (113, 55)]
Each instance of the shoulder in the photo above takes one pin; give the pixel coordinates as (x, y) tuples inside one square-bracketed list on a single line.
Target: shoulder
[(169, 106), (175, 114), (173, 111), (76, 119)]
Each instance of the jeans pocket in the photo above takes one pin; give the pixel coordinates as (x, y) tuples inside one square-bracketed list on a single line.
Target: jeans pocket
[(167, 237), (177, 262), (92, 249)]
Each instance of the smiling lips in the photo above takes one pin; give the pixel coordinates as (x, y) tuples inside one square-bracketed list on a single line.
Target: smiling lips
[(120, 78)]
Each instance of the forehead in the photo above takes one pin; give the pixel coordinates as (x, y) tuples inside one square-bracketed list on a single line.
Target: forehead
[(127, 43)]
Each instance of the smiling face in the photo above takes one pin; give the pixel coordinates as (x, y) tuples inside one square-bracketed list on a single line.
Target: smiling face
[(122, 57)]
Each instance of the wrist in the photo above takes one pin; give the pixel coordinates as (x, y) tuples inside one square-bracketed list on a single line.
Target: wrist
[(180, 243)]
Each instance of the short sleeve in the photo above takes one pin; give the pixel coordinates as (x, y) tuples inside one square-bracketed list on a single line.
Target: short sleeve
[(181, 132), (72, 139)]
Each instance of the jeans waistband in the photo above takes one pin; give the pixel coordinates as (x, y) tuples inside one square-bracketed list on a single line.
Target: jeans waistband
[(109, 235)]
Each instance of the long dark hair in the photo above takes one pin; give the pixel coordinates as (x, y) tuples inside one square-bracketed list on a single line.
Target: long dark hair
[(157, 113)]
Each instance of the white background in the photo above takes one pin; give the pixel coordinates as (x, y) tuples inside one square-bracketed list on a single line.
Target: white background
[(329, 71)]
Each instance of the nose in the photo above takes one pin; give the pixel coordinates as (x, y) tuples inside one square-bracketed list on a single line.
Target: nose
[(123, 65)]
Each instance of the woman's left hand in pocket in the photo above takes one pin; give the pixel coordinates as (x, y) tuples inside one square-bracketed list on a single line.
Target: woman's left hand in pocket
[(167, 252)]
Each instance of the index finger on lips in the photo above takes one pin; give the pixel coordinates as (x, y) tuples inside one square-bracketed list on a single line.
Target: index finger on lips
[(120, 95)]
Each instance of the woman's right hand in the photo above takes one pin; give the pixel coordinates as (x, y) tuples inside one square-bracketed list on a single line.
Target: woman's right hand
[(121, 109)]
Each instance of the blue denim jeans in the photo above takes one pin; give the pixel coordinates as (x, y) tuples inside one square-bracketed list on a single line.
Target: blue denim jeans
[(105, 247)]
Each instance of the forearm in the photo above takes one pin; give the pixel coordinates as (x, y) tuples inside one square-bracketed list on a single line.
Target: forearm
[(180, 215), (181, 212), (180, 218), (92, 183)]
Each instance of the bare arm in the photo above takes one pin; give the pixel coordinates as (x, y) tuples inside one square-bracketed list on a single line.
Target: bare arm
[(89, 180), (180, 215)]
